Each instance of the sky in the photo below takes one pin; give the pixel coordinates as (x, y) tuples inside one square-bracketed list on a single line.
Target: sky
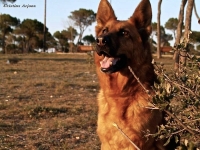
[(59, 10)]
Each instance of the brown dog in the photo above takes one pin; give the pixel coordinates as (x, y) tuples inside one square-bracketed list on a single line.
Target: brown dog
[(123, 117)]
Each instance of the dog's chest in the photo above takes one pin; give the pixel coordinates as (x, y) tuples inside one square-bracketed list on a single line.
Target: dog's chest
[(130, 116)]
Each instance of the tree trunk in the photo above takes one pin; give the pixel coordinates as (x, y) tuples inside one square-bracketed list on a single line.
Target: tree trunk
[(179, 33), (158, 30), (23, 45), (180, 23), (188, 18), (27, 47), (195, 11), (44, 34), (80, 36), (71, 44), (3, 43), (183, 54)]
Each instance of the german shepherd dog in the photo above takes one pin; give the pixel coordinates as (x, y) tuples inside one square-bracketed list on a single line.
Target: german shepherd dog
[(123, 116)]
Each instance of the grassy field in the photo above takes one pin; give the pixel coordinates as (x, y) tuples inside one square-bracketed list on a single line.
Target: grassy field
[(48, 102)]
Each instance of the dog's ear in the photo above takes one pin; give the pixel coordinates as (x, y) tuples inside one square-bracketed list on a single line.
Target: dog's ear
[(104, 13), (141, 18)]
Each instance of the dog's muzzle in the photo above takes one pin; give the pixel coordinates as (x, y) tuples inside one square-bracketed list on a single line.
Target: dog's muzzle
[(102, 44), (110, 62)]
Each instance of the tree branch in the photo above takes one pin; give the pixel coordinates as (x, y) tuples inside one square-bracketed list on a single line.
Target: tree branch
[(181, 124), (120, 130)]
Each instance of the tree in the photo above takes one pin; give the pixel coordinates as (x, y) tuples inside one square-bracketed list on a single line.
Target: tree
[(195, 36), (63, 40), (7, 23), (44, 27), (30, 29), (180, 22), (50, 40), (158, 30), (196, 14), (172, 24), (5, 1), (178, 96), (89, 39), (179, 33), (71, 33), (188, 18), (154, 32), (11, 46), (82, 18), (154, 28), (38, 41), (164, 37), (198, 47)]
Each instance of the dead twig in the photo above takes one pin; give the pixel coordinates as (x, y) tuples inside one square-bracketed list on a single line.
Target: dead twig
[(181, 123), (138, 80), (120, 130)]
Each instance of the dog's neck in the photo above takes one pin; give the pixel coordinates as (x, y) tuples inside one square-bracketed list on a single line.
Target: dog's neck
[(118, 84)]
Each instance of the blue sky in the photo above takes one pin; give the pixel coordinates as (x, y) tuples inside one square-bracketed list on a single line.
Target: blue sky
[(59, 10)]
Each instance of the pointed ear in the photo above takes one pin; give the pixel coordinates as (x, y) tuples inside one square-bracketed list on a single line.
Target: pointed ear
[(104, 13), (141, 18)]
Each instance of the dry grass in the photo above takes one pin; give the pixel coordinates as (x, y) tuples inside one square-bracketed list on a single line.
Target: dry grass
[(48, 102)]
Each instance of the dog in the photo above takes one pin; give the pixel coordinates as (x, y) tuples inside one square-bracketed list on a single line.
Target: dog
[(123, 49)]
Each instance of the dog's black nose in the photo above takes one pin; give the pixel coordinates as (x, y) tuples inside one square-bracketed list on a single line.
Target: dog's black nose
[(101, 41)]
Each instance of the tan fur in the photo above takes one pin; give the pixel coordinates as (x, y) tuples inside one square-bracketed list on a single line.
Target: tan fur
[(121, 99)]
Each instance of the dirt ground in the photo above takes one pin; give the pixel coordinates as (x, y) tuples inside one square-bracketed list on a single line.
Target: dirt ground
[(48, 102)]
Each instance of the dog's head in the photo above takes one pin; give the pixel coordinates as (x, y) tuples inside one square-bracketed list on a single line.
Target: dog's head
[(122, 43)]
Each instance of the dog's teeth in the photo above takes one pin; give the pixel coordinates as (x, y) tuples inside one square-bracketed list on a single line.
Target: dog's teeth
[(111, 63)]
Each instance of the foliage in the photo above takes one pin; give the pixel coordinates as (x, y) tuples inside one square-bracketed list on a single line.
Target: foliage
[(89, 39), (154, 27), (7, 23), (50, 41), (71, 33), (27, 35), (165, 38), (172, 24), (198, 47), (7, 20), (82, 18), (179, 97), (195, 37), (31, 35), (63, 39), (11, 48), (5, 1), (30, 28)]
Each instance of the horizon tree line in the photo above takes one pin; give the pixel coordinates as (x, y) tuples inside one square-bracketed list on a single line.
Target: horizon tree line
[(14, 31)]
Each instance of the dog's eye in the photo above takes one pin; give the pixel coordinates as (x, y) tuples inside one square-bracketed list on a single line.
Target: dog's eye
[(105, 31), (125, 33)]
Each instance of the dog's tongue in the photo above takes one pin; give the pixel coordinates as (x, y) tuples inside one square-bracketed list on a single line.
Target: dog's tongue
[(108, 61)]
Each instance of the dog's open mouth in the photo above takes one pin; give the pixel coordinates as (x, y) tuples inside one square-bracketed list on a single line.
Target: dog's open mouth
[(112, 64)]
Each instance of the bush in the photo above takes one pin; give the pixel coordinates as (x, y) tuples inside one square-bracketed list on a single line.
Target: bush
[(178, 95)]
